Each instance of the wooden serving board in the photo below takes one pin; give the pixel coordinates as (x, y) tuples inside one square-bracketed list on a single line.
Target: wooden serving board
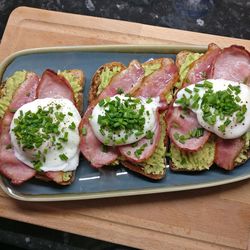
[(213, 218)]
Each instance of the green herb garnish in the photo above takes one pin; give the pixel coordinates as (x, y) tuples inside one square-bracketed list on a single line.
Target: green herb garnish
[(63, 157)]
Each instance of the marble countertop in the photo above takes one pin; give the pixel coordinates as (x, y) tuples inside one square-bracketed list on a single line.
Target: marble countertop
[(221, 17)]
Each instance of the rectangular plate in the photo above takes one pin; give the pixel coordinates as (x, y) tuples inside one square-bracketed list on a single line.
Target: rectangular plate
[(105, 182)]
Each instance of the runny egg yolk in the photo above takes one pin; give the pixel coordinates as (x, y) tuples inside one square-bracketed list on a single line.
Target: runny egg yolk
[(44, 134), (122, 120), (222, 106)]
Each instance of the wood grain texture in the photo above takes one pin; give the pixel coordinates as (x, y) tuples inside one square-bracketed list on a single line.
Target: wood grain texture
[(31, 28), (213, 218)]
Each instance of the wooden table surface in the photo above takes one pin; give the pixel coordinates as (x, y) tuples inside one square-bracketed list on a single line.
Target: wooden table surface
[(213, 218)]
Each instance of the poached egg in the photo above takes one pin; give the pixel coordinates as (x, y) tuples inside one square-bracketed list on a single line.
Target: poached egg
[(221, 106), (44, 134), (122, 120)]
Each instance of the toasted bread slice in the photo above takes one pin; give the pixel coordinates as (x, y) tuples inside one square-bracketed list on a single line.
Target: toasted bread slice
[(244, 155), (140, 170), (76, 79), (149, 66), (61, 178), (113, 68)]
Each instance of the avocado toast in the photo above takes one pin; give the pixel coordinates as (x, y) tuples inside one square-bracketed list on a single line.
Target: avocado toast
[(209, 69), (19, 89), (154, 166)]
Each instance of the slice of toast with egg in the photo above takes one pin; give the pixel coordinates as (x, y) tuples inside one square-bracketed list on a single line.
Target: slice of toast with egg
[(226, 147), (75, 79), (155, 166)]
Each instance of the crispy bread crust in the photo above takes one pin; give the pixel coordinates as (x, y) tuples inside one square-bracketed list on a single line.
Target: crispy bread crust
[(139, 169), (60, 181), (152, 62), (1, 88), (81, 76), (181, 57), (96, 80), (1, 94)]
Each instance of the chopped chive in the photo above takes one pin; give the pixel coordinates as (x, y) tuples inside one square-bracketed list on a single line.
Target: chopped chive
[(72, 126), (63, 157), (84, 131), (119, 91), (149, 100), (188, 90)]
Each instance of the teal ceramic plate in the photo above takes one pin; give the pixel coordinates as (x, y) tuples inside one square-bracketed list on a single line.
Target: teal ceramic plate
[(106, 182)]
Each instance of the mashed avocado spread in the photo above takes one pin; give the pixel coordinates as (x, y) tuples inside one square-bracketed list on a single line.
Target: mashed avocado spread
[(197, 161), (67, 175), (191, 57), (156, 164), (150, 68), (74, 82), (11, 85), (106, 76), (243, 156)]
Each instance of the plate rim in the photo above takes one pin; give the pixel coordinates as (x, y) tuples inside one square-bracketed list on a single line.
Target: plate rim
[(124, 48), (112, 194), (153, 48)]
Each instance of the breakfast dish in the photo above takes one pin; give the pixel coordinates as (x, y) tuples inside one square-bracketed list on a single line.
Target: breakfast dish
[(125, 122), (117, 151), (208, 122), (39, 135)]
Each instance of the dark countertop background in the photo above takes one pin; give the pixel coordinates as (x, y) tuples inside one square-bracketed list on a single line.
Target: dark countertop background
[(221, 17)]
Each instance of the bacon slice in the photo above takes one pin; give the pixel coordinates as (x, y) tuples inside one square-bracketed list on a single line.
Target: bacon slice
[(201, 69), (160, 82), (148, 146), (226, 152), (10, 167), (91, 147), (182, 123), (129, 80), (54, 86), (26, 92), (233, 64)]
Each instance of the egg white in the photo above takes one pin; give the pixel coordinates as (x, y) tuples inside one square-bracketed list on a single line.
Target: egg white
[(150, 122), (70, 148), (234, 129)]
